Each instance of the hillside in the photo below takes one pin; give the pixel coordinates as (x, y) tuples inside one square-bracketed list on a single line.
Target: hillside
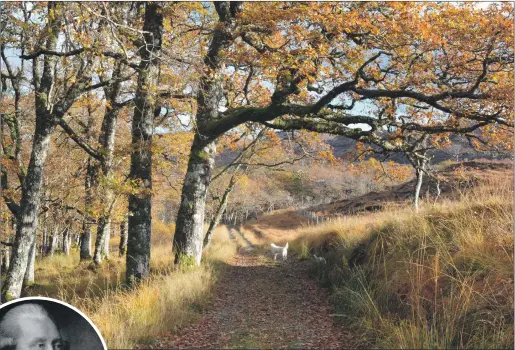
[(453, 179), (459, 150), (438, 278)]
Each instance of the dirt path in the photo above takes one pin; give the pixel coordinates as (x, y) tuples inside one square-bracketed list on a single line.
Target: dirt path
[(259, 303)]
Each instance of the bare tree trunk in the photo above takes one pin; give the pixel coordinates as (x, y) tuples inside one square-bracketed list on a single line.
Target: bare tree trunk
[(188, 238), (189, 229), (220, 211), (140, 204), (6, 259), (107, 140), (107, 239), (60, 242), (66, 240), (6, 249), (44, 239), (123, 237), (420, 175), (85, 240), (53, 241), (29, 273), (29, 208), (31, 191), (102, 240)]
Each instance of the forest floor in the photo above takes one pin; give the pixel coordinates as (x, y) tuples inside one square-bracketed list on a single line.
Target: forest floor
[(262, 303)]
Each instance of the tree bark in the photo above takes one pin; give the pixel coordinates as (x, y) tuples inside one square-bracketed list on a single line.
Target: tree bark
[(89, 183), (123, 238), (420, 176), (140, 204), (67, 241), (29, 273), (53, 242), (107, 142), (85, 242), (189, 231), (107, 239), (102, 240), (29, 208), (44, 239), (220, 211), (31, 190), (6, 259), (420, 169), (188, 238)]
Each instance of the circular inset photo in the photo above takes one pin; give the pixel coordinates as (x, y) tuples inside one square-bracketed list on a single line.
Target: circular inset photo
[(45, 323)]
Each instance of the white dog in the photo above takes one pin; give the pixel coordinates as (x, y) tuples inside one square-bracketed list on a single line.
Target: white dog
[(279, 250), (320, 259)]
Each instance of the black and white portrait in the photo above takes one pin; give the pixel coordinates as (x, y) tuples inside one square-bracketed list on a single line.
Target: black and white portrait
[(46, 324)]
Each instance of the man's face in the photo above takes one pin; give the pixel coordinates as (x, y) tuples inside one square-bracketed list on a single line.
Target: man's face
[(38, 334)]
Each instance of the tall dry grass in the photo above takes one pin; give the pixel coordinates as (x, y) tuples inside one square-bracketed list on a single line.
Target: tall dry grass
[(439, 278), (166, 301)]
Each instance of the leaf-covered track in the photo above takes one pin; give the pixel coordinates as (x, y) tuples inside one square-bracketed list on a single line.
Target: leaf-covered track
[(262, 304)]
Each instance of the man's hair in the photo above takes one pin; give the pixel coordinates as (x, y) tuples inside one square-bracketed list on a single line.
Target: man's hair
[(9, 325)]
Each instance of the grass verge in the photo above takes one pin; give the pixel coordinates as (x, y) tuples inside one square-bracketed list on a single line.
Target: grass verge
[(439, 278), (169, 299)]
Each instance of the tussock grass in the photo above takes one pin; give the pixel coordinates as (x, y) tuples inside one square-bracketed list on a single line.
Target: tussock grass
[(66, 278), (169, 299), (439, 278), (160, 304)]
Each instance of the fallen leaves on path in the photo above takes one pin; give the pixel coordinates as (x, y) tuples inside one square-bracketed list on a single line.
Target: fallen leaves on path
[(259, 303)]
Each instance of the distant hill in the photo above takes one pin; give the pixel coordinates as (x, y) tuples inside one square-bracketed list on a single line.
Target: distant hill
[(459, 151), (453, 179)]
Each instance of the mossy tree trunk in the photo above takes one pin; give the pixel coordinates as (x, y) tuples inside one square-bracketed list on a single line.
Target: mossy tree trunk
[(140, 204), (189, 231), (189, 228), (29, 208)]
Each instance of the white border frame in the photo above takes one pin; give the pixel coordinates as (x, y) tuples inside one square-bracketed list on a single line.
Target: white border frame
[(62, 303)]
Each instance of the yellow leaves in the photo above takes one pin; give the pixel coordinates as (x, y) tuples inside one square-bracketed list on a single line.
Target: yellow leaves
[(440, 141), (273, 137), (382, 171), (328, 156), (243, 181)]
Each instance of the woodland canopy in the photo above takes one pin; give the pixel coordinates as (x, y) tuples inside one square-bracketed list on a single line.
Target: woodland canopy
[(124, 90)]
